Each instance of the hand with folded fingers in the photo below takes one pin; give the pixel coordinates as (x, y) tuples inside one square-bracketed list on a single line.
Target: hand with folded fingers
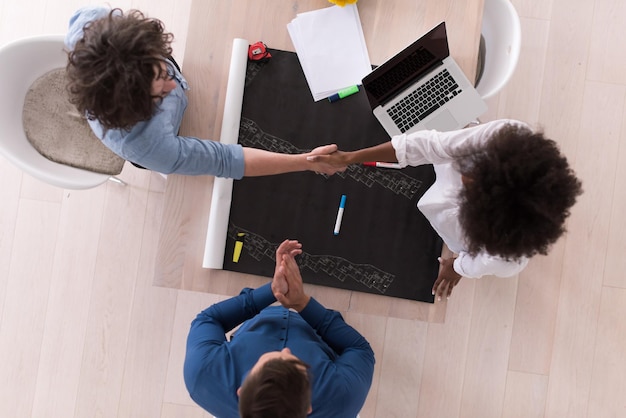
[(295, 297), (287, 247)]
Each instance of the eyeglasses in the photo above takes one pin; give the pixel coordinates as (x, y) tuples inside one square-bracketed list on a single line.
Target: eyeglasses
[(169, 73)]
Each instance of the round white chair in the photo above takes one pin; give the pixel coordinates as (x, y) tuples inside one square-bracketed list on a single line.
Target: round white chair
[(23, 62), (502, 35)]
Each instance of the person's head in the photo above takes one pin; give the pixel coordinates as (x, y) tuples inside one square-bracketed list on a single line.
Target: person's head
[(117, 72), (518, 191), (277, 386)]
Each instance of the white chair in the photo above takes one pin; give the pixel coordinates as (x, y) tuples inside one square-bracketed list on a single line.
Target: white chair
[(502, 35), (23, 62)]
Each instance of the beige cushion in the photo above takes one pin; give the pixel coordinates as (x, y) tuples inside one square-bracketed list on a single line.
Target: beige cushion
[(56, 130)]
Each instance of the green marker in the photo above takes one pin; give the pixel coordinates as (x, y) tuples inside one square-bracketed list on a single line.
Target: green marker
[(348, 91)]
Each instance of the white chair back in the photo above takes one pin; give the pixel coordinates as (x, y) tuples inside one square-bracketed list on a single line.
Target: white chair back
[(24, 61), (502, 35)]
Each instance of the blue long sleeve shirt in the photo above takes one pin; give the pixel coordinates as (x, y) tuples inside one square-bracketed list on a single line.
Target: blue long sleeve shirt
[(341, 361), (155, 143)]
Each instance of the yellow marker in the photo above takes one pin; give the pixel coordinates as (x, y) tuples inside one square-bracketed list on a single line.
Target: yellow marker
[(238, 246)]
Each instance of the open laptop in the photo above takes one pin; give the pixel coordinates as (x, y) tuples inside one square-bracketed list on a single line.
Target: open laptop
[(422, 87)]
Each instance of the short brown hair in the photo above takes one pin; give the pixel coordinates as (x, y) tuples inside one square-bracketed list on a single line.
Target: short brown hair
[(112, 67), (279, 389)]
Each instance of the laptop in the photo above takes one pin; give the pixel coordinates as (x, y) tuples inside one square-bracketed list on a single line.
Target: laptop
[(422, 87)]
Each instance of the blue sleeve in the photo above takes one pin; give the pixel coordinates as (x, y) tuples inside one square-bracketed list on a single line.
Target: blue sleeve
[(214, 322), (185, 155), (355, 360), (208, 330), (78, 21), (154, 144)]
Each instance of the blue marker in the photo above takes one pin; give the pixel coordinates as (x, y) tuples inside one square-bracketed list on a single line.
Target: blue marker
[(342, 205), (348, 91)]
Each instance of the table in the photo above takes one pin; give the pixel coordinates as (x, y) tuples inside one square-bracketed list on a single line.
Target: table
[(388, 27)]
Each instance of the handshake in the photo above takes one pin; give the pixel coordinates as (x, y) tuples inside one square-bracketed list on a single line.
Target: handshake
[(287, 283)]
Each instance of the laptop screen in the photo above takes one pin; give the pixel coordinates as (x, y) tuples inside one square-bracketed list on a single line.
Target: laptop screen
[(406, 67)]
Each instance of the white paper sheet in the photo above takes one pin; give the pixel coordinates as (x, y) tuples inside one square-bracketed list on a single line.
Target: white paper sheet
[(331, 49), (222, 187)]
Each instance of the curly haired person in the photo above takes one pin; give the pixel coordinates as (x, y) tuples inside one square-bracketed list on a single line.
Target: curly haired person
[(123, 78), (502, 194)]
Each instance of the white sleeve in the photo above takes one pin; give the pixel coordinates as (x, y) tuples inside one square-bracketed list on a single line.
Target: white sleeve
[(433, 147), (484, 264)]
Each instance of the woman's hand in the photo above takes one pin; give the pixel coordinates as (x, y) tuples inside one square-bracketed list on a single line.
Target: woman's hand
[(447, 279), (327, 159)]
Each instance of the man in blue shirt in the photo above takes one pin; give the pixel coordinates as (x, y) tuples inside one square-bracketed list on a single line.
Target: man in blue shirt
[(329, 365), (121, 75)]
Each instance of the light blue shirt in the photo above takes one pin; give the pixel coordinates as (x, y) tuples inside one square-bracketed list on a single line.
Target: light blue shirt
[(341, 361), (155, 143)]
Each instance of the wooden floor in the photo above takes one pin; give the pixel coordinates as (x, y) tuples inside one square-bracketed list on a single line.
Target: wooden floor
[(84, 332)]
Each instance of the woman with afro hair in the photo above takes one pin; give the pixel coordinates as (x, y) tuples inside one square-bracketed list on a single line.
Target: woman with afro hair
[(501, 195)]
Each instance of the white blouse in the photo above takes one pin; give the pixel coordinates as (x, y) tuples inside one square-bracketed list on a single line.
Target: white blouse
[(440, 203)]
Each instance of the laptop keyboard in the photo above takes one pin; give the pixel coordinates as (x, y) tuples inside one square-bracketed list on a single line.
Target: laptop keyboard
[(424, 100)]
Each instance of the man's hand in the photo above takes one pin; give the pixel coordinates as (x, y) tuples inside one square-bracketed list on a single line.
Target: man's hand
[(447, 279), (295, 297), (326, 159), (287, 247)]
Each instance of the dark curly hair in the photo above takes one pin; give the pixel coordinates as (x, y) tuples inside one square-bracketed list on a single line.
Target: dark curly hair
[(280, 389), (518, 193), (111, 69)]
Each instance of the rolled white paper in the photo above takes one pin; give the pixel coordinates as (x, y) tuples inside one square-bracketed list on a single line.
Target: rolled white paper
[(222, 187)]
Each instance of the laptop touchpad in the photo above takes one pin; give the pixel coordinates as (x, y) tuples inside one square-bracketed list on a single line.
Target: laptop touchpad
[(443, 122)]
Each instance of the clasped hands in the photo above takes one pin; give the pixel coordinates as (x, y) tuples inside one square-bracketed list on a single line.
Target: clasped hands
[(327, 159), (287, 284)]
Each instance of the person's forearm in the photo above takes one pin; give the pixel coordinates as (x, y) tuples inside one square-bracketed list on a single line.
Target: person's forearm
[(233, 311), (264, 163), (332, 328), (383, 152)]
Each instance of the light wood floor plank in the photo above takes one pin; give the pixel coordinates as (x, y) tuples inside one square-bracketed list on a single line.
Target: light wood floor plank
[(171, 410), (606, 62), (33, 188), (24, 311), (13, 18), (535, 313), (608, 381), (525, 395), (517, 101), (150, 330), (108, 325), (488, 347), (533, 9), (615, 260), (179, 269), (565, 71), (68, 303), (585, 249), (445, 358), (9, 195), (401, 368)]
